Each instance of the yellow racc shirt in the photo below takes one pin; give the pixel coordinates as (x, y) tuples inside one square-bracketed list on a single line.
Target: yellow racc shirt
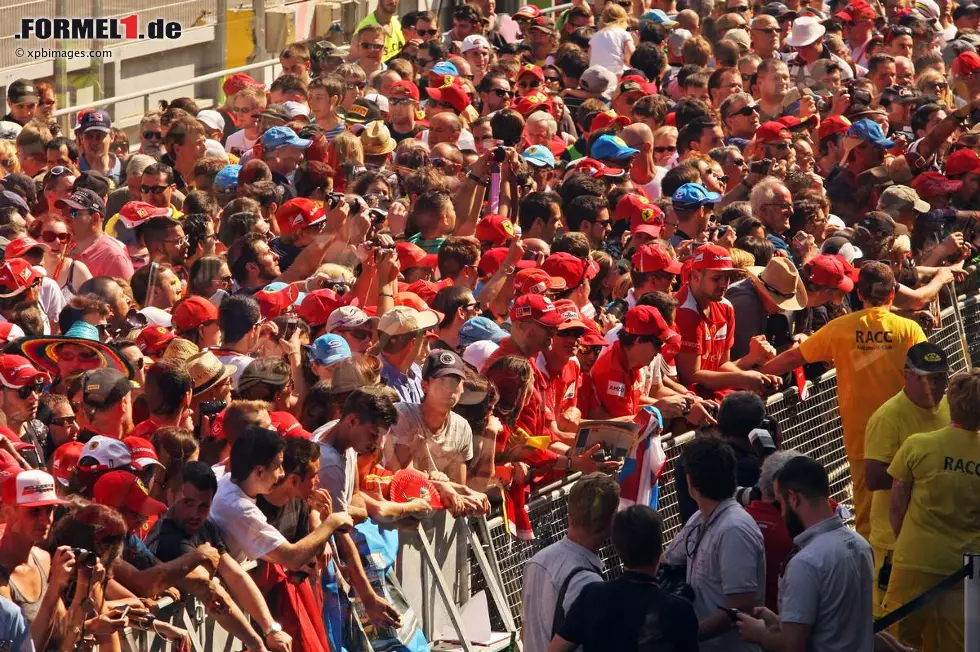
[(890, 425), (941, 523), (868, 349)]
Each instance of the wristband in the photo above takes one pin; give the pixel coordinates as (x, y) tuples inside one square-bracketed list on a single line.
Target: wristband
[(471, 175)]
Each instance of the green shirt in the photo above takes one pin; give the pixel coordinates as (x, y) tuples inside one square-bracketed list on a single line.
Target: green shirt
[(428, 246), (394, 39)]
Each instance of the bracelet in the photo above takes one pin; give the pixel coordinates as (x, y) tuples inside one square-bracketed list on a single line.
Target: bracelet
[(386, 294), (471, 175)]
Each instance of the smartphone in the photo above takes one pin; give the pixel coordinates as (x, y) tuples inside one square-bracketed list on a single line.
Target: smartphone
[(731, 613), (760, 167), (801, 238), (289, 329)]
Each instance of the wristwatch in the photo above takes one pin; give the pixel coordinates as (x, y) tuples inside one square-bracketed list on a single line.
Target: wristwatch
[(274, 628)]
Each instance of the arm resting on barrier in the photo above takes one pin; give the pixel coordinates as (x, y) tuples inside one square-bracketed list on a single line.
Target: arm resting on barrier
[(901, 495), (876, 476), (784, 362), (246, 593)]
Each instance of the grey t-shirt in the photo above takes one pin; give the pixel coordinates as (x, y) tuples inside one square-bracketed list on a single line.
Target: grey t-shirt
[(828, 586), (727, 557), (750, 315), (442, 451), (338, 471)]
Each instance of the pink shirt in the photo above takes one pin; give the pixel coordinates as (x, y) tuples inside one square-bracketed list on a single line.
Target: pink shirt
[(107, 257)]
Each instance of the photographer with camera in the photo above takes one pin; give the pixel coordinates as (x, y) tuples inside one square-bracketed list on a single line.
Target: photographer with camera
[(743, 425)]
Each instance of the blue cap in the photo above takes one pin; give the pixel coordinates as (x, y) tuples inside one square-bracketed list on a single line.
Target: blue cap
[(227, 178), (277, 137), (612, 148), (870, 131), (276, 286), (82, 330), (694, 194), (659, 16), (539, 156), (328, 349), (95, 120), (445, 68), (478, 329)]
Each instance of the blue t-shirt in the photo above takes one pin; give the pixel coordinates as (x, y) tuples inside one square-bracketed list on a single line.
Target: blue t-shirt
[(15, 634)]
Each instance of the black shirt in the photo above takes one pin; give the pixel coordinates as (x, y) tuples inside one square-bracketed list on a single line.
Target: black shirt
[(168, 541), (399, 136), (630, 613), (286, 251), (292, 519), (288, 191)]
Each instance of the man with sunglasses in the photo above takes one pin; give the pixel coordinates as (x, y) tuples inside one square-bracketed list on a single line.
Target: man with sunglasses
[(385, 16), (103, 255), (419, 25), (403, 100), (22, 385), (300, 221), (157, 186)]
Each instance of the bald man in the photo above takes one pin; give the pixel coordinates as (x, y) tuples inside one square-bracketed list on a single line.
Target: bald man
[(644, 173), (764, 35), (443, 128)]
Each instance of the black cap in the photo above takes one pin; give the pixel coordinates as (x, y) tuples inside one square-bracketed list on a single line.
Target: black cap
[(443, 362), (363, 112), (878, 224), (899, 94), (104, 387), (22, 90), (778, 10), (95, 120), (11, 198), (927, 358), (276, 112), (83, 199), (964, 9)]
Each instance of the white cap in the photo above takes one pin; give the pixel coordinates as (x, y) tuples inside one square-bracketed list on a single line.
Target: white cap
[(214, 148), (157, 316), (380, 100), (31, 488), (348, 317), (477, 353), (677, 38), (212, 119), (475, 42), (294, 109), (9, 130), (108, 452)]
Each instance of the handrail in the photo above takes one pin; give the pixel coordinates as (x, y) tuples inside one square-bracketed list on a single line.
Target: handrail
[(211, 77)]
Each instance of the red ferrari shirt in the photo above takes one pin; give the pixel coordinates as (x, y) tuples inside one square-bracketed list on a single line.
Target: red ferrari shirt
[(617, 387), (777, 542), (710, 335), (562, 387), (537, 415), (145, 429)]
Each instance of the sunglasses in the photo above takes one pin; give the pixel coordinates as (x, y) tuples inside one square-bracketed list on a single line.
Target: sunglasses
[(744, 111), (64, 422), (591, 350), (427, 32), (399, 101), (158, 135), (237, 109), (499, 92), (377, 47), (51, 236), (359, 334), (83, 356), (665, 149), (553, 80), (738, 10), (59, 171), (771, 31), (155, 190), (529, 84), (25, 392), (358, 85)]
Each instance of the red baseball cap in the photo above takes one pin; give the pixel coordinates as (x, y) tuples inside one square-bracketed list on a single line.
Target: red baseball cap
[(793, 123), (411, 255), (64, 461), (593, 336), (647, 320), (932, 184), (134, 213), (571, 268), (772, 132), (288, 426), (605, 119), (534, 307), (20, 246), (427, 290), (597, 169), (237, 82), (636, 84), (318, 305), (644, 216), (710, 256), (856, 10), (123, 489), (30, 488), (451, 94), (833, 125), (273, 303), (962, 161), (153, 340), (655, 258), (536, 101), (193, 312), (966, 63), (528, 11), (831, 271), (536, 281), (143, 453), (495, 229), (299, 213), (570, 314), (491, 261), (17, 371), (16, 276), (404, 88), (531, 69)]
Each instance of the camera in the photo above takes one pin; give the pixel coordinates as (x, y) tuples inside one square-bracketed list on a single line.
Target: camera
[(85, 558), (603, 454), (499, 154), (211, 408), (760, 167), (765, 438)]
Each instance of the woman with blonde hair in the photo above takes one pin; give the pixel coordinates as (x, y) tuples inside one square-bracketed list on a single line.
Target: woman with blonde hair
[(9, 162), (932, 82), (612, 46), (347, 158)]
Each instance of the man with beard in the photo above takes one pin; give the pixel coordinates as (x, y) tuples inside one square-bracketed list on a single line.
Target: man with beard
[(825, 594), (367, 416), (22, 387), (157, 186), (253, 263), (29, 501), (430, 437), (920, 407), (165, 241)]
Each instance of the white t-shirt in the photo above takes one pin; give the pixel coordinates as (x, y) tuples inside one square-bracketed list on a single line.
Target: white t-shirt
[(607, 49), (441, 451), (239, 143), (237, 360), (245, 529), (337, 470)]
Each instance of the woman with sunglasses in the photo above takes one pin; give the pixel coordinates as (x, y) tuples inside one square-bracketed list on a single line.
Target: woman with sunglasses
[(55, 235)]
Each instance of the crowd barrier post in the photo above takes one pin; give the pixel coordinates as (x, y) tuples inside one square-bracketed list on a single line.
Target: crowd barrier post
[(491, 575), (971, 604), (448, 600)]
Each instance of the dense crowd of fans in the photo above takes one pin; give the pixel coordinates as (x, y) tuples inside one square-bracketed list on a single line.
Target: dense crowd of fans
[(239, 354)]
